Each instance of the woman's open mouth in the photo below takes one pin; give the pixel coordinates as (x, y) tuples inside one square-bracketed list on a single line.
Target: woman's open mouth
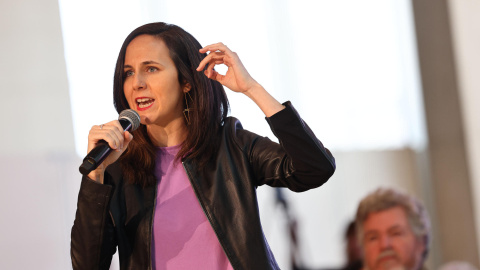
[(144, 103)]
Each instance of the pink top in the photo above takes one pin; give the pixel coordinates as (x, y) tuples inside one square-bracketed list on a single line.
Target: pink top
[(182, 236)]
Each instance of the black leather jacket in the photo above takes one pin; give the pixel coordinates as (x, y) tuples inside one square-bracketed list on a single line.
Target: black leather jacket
[(120, 214)]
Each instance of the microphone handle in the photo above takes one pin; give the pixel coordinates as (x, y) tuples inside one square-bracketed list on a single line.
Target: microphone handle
[(98, 154)]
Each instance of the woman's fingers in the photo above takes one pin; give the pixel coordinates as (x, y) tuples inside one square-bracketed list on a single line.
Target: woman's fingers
[(215, 47), (217, 51), (236, 78), (212, 59), (128, 138), (118, 134), (111, 132), (209, 63)]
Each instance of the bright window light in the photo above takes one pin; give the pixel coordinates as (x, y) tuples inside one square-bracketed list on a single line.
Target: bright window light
[(349, 67)]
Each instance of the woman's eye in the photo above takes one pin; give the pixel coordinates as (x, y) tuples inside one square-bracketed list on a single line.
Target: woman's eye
[(152, 69), (128, 73)]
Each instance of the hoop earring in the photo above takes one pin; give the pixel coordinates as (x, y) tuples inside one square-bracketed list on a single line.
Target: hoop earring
[(186, 112)]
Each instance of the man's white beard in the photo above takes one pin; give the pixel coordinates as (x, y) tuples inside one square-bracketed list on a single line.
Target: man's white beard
[(388, 265), (393, 267)]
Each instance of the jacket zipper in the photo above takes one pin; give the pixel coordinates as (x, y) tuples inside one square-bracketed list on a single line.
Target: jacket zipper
[(209, 218), (151, 229)]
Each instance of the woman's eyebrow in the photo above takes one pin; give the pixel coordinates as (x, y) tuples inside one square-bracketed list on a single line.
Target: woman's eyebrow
[(149, 62)]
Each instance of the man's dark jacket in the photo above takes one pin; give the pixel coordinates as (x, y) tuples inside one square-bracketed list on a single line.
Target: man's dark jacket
[(118, 213)]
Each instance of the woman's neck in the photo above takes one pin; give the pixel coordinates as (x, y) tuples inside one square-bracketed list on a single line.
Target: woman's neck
[(170, 135)]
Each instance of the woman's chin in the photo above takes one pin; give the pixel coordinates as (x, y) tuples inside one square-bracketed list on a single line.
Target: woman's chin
[(144, 120)]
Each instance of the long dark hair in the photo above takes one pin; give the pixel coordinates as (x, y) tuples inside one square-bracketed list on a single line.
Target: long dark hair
[(208, 99)]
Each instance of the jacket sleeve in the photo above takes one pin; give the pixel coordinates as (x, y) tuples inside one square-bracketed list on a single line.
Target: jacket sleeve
[(300, 162), (93, 238)]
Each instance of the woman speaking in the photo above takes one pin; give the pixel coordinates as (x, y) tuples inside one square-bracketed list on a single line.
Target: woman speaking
[(180, 191)]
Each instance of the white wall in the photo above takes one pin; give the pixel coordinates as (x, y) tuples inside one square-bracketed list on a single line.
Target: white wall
[(466, 33), (36, 103), (37, 159)]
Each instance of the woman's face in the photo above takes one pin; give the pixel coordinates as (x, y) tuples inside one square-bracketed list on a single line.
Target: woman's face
[(151, 84)]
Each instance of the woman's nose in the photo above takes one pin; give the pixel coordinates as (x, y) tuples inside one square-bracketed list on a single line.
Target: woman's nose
[(139, 82)]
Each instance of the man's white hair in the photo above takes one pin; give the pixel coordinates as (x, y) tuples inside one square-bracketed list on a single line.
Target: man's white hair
[(386, 198)]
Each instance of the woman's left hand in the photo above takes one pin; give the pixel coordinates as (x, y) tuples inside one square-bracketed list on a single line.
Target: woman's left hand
[(237, 78)]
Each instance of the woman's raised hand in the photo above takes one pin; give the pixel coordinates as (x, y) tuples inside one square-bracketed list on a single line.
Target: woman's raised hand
[(118, 139), (237, 78)]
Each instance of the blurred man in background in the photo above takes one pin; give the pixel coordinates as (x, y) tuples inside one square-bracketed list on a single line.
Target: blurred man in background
[(393, 230)]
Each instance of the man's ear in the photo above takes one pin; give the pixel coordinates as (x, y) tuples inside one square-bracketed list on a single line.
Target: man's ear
[(422, 247), (187, 87)]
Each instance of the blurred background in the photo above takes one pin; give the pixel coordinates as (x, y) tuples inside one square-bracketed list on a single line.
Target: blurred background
[(391, 87)]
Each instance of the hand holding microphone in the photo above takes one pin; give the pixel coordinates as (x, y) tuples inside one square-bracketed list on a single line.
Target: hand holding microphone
[(105, 139)]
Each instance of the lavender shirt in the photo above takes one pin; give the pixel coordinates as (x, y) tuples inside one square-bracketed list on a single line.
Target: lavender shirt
[(182, 235)]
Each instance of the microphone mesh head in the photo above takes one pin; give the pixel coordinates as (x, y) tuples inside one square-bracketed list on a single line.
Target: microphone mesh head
[(131, 116)]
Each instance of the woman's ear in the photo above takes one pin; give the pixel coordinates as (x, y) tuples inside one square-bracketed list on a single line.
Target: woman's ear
[(187, 87)]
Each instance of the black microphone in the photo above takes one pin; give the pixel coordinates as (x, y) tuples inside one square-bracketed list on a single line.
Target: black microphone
[(130, 120)]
